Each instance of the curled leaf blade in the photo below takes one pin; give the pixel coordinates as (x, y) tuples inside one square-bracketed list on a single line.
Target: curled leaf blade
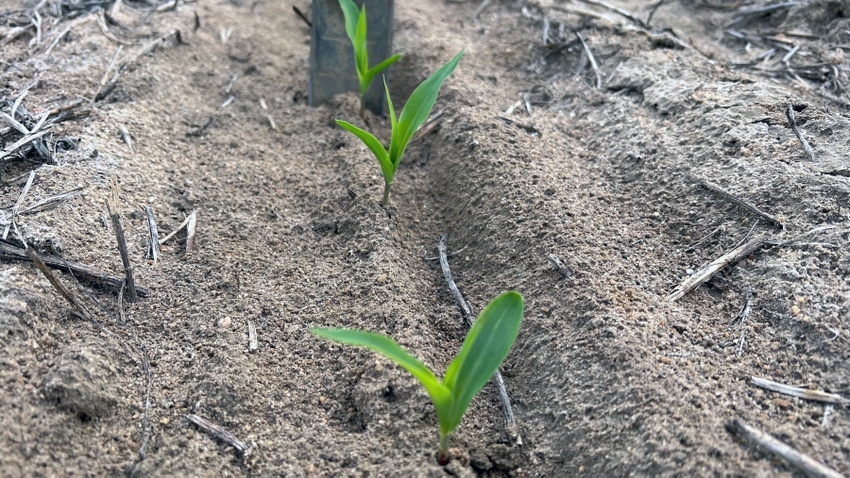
[(418, 107), (393, 117), (350, 13), (485, 347), (375, 146), (361, 53), (375, 70)]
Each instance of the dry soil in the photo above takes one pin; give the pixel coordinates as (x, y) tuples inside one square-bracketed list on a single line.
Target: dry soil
[(536, 153)]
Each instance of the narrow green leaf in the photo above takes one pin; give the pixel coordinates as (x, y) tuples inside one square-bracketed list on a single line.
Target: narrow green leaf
[(418, 108), (375, 146), (373, 72), (486, 346), (393, 117), (350, 12), (361, 53), (391, 350)]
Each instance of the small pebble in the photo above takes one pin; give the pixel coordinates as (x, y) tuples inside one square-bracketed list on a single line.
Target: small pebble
[(225, 322)]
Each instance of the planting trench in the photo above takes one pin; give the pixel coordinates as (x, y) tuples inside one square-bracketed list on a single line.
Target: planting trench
[(607, 376)]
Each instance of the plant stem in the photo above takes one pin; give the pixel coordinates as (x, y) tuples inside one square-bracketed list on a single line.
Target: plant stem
[(387, 194), (443, 456)]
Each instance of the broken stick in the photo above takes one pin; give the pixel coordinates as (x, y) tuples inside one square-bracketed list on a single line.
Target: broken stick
[(219, 433), (803, 462), (112, 207), (593, 64), (190, 231), (153, 249), (565, 271), (799, 392), (253, 344), (740, 202), (707, 272), (9, 251), (789, 113), (54, 281), (466, 313)]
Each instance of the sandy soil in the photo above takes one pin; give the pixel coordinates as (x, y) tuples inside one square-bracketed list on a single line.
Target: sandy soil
[(608, 376)]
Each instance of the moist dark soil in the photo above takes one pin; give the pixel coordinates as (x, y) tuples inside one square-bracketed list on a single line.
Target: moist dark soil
[(619, 170)]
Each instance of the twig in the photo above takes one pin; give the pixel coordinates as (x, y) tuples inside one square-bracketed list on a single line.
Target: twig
[(466, 313), (530, 129), (51, 201), (744, 313), (146, 428), (10, 150), (112, 207), (592, 59), (54, 281), (253, 344), (790, 54), (484, 4), (302, 16), (167, 6), (707, 272), (789, 113), (219, 433), (799, 392), (652, 12), (563, 269), (109, 67), (805, 463), (9, 251), (231, 83), (190, 231), (739, 322), (18, 101), (14, 123), (618, 11), (104, 89), (17, 206), (827, 411), (121, 303), (174, 232), (104, 28), (65, 31), (124, 133), (153, 249), (740, 202)]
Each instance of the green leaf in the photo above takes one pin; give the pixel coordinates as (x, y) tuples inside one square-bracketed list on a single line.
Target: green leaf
[(418, 108), (361, 54), (350, 12), (391, 350), (370, 75), (486, 346), (375, 146), (393, 117)]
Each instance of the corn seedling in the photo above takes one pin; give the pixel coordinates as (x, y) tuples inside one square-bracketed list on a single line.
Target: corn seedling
[(355, 28), (414, 113), (486, 346)]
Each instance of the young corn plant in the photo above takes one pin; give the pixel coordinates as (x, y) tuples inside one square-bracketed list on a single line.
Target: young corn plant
[(486, 346), (355, 28), (414, 113)]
